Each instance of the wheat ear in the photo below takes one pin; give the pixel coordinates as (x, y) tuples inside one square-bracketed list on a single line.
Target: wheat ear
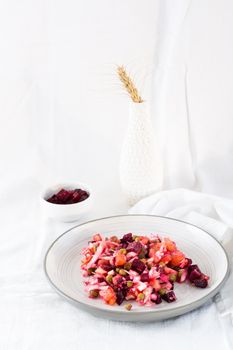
[(129, 84)]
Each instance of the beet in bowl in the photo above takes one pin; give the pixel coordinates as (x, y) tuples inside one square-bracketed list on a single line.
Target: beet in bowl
[(67, 202)]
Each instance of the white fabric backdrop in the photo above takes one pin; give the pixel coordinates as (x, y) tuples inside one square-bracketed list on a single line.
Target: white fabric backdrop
[(194, 108), (60, 101), (62, 117)]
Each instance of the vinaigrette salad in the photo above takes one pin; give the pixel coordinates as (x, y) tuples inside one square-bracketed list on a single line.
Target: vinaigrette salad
[(140, 268)]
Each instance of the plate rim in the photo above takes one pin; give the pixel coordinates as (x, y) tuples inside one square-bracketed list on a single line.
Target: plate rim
[(191, 306)]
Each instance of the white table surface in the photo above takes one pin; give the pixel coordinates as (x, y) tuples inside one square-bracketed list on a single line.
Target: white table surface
[(33, 316)]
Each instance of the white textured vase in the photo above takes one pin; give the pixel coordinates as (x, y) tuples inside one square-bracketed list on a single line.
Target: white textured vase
[(140, 169)]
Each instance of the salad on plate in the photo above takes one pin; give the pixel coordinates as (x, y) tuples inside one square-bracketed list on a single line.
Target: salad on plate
[(137, 268)]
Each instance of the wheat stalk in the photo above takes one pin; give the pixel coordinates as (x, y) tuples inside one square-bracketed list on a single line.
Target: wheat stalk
[(129, 84)]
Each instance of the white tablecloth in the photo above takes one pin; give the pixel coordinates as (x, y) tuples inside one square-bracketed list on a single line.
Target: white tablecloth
[(34, 317)]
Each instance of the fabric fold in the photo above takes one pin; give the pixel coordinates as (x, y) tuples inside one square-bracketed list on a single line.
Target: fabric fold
[(211, 213)]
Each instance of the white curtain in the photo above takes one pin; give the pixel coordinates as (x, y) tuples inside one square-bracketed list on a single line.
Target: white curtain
[(60, 109), (59, 101), (192, 97)]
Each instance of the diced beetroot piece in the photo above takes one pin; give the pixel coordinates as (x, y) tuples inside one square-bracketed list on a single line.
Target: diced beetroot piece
[(53, 199), (194, 275), (159, 299), (145, 277), (105, 265), (189, 262), (68, 196), (117, 280), (120, 295), (63, 195), (82, 198), (127, 238), (75, 196), (169, 297), (81, 192), (101, 279), (108, 267), (135, 247), (80, 195), (200, 283), (77, 190), (138, 265), (123, 245), (193, 267)]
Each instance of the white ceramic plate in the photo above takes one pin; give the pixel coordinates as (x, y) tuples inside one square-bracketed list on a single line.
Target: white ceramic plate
[(62, 265)]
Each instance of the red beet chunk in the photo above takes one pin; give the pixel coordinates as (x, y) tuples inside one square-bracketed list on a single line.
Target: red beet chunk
[(194, 275), (189, 262), (84, 196), (75, 197), (169, 297), (194, 272), (53, 199), (159, 299), (68, 196), (200, 283), (120, 295), (193, 267), (145, 277), (138, 265), (135, 247), (128, 237), (63, 196)]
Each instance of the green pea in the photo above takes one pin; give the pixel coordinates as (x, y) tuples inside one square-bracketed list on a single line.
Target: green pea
[(94, 293), (162, 291), (127, 266), (172, 277), (91, 271), (141, 296), (122, 272), (128, 307), (109, 279), (129, 284)]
